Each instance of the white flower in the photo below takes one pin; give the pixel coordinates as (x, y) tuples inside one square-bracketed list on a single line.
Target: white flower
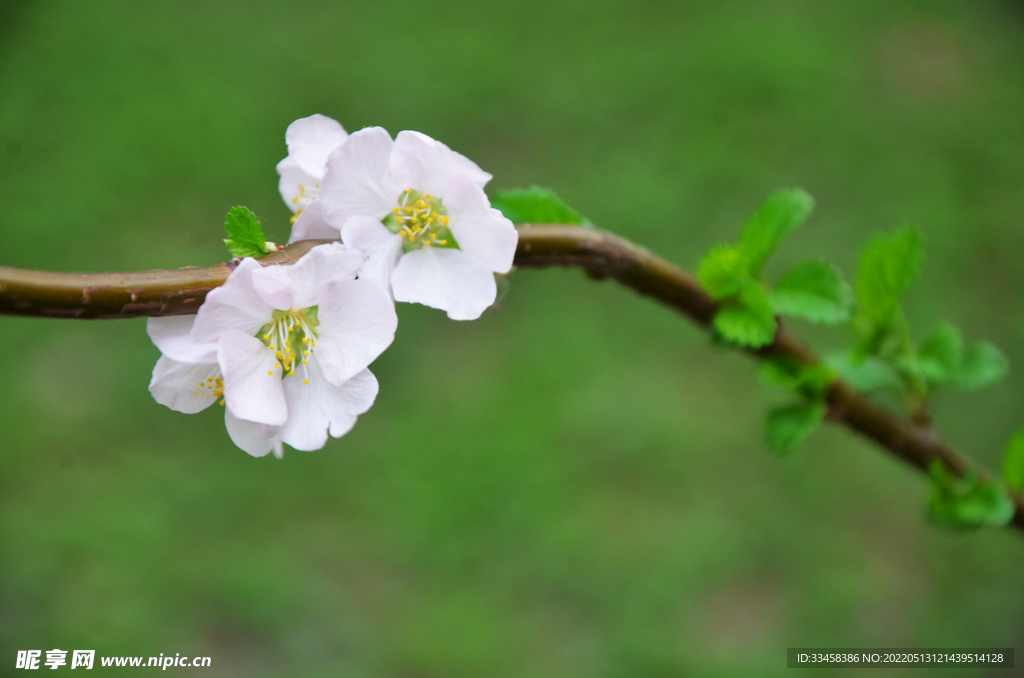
[(418, 210), (310, 140), (286, 346)]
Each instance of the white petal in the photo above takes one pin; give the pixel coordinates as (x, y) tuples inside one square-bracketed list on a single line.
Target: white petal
[(427, 165), (292, 177), (318, 407), (233, 305), (357, 322), (301, 284), (310, 225), (480, 230), (445, 278), (358, 178), (383, 248), (171, 336), (252, 385), (310, 140), (256, 439), (183, 387)]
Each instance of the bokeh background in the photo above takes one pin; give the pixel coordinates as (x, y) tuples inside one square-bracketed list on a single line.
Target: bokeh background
[(576, 485)]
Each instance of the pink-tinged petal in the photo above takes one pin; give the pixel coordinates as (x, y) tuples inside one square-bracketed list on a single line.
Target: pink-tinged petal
[(171, 334), (481, 231), (293, 179), (255, 439), (233, 305), (300, 285), (183, 387), (447, 279), (427, 165), (310, 225), (358, 178), (318, 406), (357, 322), (252, 383), (383, 248), (310, 140), (342, 425)]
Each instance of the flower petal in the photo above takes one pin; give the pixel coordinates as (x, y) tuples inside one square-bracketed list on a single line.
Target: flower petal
[(171, 336), (310, 140), (383, 248), (256, 439), (292, 177), (301, 284), (252, 383), (358, 178), (445, 278), (480, 230), (183, 387), (318, 407), (427, 165), (233, 305), (357, 322), (310, 225)]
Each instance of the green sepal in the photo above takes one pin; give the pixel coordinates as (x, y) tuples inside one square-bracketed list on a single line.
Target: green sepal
[(778, 216), (749, 319), (814, 291), (535, 205), (811, 381), (722, 271), (1013, 462), (788, 426), (245, 235), (967, 502), (983, 365)]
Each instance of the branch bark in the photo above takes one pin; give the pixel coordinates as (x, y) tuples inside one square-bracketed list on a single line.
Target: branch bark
[(601, 254)]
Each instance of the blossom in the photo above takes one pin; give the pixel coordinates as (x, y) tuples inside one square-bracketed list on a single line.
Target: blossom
[(419, 212), (310, 140), (287, 347)]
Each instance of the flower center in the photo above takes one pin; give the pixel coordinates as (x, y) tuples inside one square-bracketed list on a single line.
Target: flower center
[(307, 194), (421, 220), (213, 386), (292, 336)]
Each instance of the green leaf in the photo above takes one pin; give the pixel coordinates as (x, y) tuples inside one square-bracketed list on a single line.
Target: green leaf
[(789, 425), (816, 291), (535, 205), (983, 365), (749, 320), (887, 266), (941, 353), (1013, 462), (722, 271), (246, 237), (867, 375), (768, 226), (785, 372), (966, 502)]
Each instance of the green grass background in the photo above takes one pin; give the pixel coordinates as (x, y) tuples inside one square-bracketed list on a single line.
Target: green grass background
[(577, 485)]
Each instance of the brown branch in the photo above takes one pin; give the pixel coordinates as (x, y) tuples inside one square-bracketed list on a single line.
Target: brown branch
[(601, 254)]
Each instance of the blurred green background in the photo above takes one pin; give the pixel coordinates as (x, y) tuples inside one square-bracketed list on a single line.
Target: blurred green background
[(577, 485)]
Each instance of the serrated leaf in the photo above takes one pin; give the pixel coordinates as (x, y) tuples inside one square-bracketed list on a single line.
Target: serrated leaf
[(748, 320), (887, 266), (1013, 462), (792, 375), (940, 354), (721, 271), (788, 426), (768, 226), (966, 502), (815, 291), (535, 205), (245, 235), (867, 375), (983, 365)]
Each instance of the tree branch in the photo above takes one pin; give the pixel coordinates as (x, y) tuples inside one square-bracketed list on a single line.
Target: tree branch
[(601, 254)]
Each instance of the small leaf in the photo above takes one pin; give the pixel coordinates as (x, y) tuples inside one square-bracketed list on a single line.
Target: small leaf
[(867, 375), (789, 425), (721, 271), (246, 237), (1013, 463), (748, 321), (966, 502), (535, 205), (983, 365), (783, 371), (887, 266), (816, 291), (941, 353), (768, 226)]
